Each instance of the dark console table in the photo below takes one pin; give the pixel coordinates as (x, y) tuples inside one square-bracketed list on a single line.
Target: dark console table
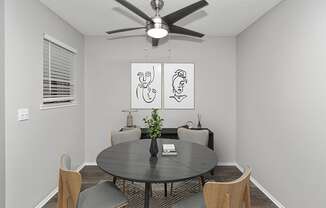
[(171, 133)]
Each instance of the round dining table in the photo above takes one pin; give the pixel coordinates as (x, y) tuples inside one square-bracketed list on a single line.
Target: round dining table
[(132, 161)]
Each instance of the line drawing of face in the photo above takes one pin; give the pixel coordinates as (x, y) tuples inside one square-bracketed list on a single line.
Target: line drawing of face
[(143, 89), (145, 79), (179, 80)]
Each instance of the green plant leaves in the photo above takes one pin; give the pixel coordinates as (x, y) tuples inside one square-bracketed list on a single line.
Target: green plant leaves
[(154, 124)]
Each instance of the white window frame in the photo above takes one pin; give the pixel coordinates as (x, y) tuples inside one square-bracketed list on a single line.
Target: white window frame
[(73, 101)]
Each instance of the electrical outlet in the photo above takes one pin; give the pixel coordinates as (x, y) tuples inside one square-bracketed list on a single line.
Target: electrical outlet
[(23, 114)]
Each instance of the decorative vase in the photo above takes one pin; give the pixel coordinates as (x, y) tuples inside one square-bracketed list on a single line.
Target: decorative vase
[(199, 123), (130, 122), (154, 148)]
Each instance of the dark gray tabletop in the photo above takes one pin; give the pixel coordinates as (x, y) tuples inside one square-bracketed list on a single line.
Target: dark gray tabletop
[(132, 161)]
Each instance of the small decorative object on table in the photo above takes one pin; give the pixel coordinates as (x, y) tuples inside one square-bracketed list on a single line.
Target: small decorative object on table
[(189, 124), (154, 125), (169, 149), (199, 123), (130, 123)]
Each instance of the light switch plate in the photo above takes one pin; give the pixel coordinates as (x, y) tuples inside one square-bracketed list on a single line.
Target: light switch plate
[(23, 114)]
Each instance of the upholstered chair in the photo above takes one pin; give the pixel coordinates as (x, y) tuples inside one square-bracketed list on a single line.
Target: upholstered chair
[(195, 136), (125, 136)]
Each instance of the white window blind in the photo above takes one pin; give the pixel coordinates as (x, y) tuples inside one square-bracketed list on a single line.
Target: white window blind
[(58, 65)]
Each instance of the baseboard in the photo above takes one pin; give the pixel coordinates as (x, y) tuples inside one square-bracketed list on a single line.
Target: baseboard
[(55, 191), (47, 198), (90, 164), (226, 164), (262, 189), (81, 167)]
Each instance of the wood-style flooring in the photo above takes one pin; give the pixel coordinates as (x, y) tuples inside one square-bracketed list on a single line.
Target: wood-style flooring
[(92, 175)]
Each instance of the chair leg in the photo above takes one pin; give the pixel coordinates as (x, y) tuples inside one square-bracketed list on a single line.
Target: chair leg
[(171, 191), (212, 172), (124, 186), (201, 182), (165, 189)]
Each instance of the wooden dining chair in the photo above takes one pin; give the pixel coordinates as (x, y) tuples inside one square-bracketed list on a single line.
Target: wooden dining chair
[(102, 195), (235, 194), (125, 136)]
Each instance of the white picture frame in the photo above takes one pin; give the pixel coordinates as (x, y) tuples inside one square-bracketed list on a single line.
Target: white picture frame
[(179, 86), (146, 85)]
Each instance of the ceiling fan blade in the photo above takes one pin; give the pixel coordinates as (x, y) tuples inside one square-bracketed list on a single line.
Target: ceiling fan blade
[(184, 31), (177, 15), (124, 30), (135, 10), (155, 42)]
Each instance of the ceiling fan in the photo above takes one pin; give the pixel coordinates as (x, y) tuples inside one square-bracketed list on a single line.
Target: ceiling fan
[(159, 27)]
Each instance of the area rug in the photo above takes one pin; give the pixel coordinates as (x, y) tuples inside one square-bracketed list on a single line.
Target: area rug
[(181, 190)]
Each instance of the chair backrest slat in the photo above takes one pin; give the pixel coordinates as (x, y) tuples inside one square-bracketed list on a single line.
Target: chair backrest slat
[(235, 194), (69, 185)]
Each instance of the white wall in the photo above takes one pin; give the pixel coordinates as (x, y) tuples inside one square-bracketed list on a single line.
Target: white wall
[(33, 147), (107, 87), (2, 108), (281, 102)]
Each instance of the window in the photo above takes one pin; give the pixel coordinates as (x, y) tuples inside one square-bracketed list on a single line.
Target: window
[(58, 65)]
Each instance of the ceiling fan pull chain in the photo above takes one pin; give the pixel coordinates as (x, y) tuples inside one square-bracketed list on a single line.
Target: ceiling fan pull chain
[(146, 53), (170, 53)]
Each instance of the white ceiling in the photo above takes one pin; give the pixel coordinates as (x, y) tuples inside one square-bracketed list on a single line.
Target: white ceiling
[(220, 18)]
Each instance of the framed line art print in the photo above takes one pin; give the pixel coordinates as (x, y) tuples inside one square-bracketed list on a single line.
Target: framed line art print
[(146, 84), (179, 86)]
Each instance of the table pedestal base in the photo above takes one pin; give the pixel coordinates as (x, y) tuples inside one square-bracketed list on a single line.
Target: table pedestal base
[(147, 193)]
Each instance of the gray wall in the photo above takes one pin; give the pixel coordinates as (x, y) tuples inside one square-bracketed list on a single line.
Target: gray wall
[(2, 102), (34, 146), (107, 87), (282, 102)]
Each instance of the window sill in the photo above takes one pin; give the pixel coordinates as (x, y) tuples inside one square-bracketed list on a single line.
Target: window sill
[(54, 106)]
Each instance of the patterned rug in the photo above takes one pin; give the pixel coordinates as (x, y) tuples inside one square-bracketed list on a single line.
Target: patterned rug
[(181, 190)]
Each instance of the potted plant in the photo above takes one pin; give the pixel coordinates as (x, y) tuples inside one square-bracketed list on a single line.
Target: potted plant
[(154, 125)]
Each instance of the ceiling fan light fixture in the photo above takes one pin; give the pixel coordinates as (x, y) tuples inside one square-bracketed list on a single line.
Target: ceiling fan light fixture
[(157, 33), (158, 29)]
